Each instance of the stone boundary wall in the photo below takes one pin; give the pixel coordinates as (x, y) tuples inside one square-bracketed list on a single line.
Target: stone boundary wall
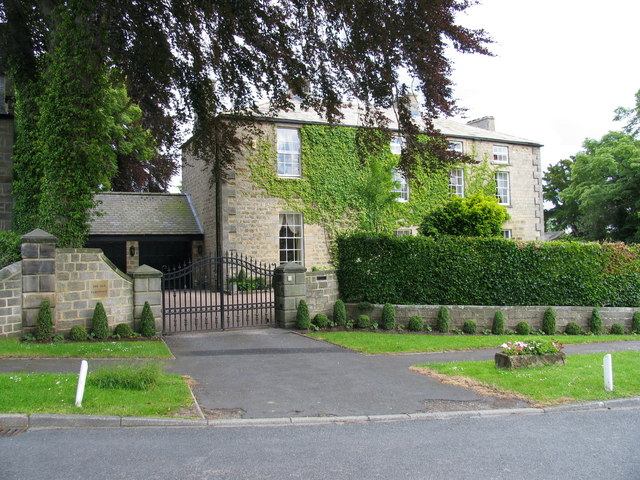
[(322, 291), (84, 277), (483, 315), (11, 300)]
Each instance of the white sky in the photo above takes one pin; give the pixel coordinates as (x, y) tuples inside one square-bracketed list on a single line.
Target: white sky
[(560, 70)]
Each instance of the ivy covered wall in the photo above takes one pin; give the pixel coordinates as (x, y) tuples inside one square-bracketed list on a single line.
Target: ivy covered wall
[(338, 176)]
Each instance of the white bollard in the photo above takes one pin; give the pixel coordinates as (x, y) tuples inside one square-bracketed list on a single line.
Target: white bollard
[(82, 378), (608, 373)]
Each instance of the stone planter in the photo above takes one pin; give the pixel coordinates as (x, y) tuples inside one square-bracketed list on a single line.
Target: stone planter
[(512, 362)]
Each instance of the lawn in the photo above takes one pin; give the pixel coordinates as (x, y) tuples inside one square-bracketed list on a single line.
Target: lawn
[(377, 342), (581, 379), (12, 347), (55, 393)]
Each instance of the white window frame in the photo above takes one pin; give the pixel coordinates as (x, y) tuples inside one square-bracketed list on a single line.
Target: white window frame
[(456, 181), (507, 234), (503, 188), (403, 232), (403, 189), (501, 154), (455, 146), (291, 238), (289, 164), (397, 144)]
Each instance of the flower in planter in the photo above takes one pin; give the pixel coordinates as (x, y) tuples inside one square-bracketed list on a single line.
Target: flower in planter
[(531, 348)]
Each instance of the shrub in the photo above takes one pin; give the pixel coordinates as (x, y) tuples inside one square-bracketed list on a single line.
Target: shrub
[(303, 320), (44, 322), (339, 313), (99, 322), (549, 322), (363, 321), (497, 328), (477, 215), (443, 321), (147, 322), (616, 329), (129, 377), (635, 323), (573, 328), (523, 328), (496, 271), (595, 322), (388, 317), (321, 320), (416, 324), (365, 307), (78, 333), (123, 330), (469, 327)]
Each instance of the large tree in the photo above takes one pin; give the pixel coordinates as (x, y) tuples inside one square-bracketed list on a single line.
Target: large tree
[(204, 58), (562, 215)]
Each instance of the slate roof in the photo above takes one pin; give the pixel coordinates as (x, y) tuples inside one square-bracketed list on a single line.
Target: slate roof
[(145, 214), (353, 114)]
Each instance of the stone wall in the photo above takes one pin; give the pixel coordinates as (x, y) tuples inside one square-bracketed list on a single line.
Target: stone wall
[(483, 316), (84, 276), (322, 291), (11, 300), (6, 166), (73, 280), (525, 177)]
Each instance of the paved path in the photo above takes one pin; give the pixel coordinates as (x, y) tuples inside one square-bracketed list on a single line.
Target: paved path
[(272, 373)]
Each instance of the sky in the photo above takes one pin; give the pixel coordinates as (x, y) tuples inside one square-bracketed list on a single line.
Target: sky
[(561, 68)]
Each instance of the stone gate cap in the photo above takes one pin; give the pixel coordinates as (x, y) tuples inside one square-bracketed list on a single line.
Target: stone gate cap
[(38, 236)]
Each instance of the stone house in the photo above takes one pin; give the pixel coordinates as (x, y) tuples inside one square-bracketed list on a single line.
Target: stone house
[(268, 228)]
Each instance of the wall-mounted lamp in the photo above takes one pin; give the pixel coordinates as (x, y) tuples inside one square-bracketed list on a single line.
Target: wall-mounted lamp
[(132, 250)]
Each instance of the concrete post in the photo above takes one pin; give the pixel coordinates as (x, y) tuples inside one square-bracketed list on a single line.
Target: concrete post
[(38, 251), (147, 287), (289, 287)]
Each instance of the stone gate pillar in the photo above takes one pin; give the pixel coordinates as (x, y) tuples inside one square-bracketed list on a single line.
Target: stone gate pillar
[(38, 251), (289, 287), (147, 287)]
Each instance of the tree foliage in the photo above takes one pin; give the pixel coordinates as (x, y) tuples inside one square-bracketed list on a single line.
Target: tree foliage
[(205, 58), (477, 215), (603, 193), (562, 215)]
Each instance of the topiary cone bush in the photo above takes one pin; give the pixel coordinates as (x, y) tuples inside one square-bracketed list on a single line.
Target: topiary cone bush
[(363, 321), (443, 322), (303, 320), (469, 327), (44, 322), (321, 320), (549, 321), (99, 322), (635, 323), (339, 313), (388, 317), (147, 322), (416, 324), (573, 328), (523, 328), (595, 322), (497, 328)]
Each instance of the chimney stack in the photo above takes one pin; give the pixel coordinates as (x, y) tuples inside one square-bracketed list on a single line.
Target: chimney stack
[(487, 123)]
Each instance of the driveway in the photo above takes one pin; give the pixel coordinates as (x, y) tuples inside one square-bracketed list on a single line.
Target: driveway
[(267, 373)]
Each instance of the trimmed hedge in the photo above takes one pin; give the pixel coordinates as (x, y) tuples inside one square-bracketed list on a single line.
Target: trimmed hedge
[(381, 268)]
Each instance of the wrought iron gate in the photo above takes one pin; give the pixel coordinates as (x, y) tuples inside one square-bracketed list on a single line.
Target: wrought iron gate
[(217, 293)]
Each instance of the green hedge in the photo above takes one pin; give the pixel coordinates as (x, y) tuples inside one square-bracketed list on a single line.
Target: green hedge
[(473, 271)]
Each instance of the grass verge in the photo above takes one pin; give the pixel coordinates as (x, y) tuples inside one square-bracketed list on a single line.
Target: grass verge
[(55, 393), (581, 379), (12, 347), (374, 342)]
